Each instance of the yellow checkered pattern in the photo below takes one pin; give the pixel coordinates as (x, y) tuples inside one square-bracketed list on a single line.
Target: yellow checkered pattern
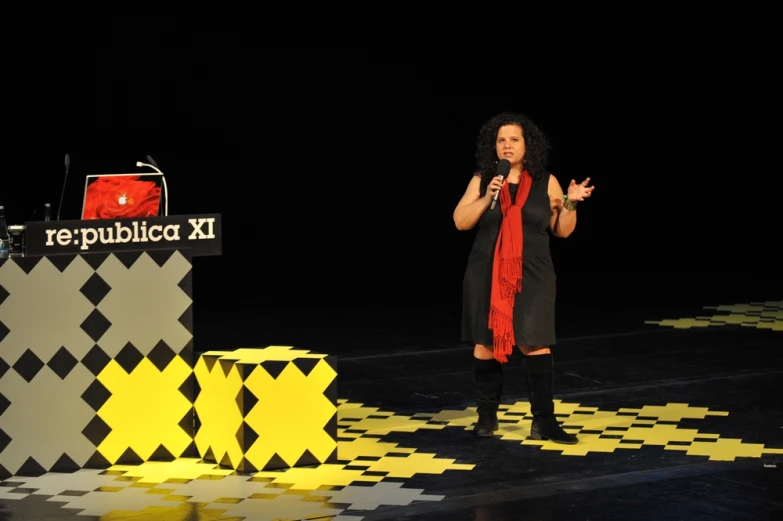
[(760, 315), (269, 408), (372, 470)]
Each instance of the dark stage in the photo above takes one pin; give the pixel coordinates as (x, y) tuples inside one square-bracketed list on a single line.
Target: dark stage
[(338, 238), (678, 417)]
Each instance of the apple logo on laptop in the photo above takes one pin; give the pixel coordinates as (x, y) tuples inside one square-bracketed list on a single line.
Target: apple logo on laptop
[(123, 199)]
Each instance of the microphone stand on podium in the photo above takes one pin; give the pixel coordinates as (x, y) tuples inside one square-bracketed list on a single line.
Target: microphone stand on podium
[(152, 164)]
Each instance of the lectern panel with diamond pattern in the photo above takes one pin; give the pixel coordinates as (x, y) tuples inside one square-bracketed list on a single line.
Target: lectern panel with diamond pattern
[(96, 357)]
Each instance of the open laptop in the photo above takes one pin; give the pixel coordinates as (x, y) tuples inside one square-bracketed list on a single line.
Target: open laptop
[(122, 196)]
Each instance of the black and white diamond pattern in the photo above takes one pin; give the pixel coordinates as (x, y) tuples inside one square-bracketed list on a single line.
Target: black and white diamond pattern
[(44, 418), (62, 321), (28, 365), (153, 293), (95, 289), (95, 325), (129, 357), (161, 355), (96, 360), (44, 308), (62, 363)]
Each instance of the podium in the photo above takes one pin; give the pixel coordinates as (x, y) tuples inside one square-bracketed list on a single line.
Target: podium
[(96, 343)]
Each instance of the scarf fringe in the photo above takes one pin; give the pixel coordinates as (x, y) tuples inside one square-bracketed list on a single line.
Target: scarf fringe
[(502, 327), (510, 282)]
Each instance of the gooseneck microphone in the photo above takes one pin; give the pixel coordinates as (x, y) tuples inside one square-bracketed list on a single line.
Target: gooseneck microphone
[(62, 195), (152, 164), (502, 170)]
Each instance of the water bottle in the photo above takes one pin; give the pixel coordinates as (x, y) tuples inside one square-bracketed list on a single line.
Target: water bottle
[(5, 239)]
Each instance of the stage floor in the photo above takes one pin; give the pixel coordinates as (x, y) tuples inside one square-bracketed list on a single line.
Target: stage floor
[(676, 420)]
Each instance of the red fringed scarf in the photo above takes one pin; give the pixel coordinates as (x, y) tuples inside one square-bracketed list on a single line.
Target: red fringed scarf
[(507, 268)]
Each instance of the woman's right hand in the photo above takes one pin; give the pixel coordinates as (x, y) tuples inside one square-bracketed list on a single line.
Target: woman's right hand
[(493, 187)]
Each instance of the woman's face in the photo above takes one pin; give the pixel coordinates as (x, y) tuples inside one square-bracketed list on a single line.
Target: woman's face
[(510, 144)]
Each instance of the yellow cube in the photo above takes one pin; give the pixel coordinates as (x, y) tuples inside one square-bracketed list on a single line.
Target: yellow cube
[(266, 408)]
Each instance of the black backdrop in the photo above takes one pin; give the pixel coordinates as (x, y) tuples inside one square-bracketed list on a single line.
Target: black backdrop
[(337, 170)]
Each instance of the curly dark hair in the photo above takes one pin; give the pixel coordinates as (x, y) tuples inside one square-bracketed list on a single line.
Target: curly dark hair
[(537, 146)]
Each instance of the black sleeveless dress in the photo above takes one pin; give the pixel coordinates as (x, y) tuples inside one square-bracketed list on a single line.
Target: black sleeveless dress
[(534, 306)]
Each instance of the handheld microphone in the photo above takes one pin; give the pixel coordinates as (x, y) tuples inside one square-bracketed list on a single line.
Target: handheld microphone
[(502, 170), (62, 195), (152, 164)]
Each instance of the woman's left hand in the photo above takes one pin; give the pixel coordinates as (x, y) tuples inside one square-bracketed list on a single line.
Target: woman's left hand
[(581, 191)]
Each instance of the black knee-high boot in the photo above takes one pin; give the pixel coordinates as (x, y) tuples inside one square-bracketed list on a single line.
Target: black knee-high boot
[(541, 383), (488, 377)]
